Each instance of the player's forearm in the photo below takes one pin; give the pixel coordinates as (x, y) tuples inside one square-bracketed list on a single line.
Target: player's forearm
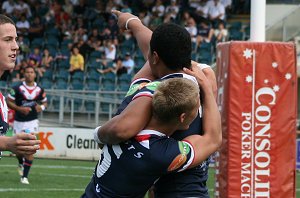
[(142, 35), (129, 123), (3, 143), (211, 119), (12, 105)]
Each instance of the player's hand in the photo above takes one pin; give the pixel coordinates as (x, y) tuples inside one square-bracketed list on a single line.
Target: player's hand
[(199, 75), (122, 18), (210, 75), (38, 108), (23, 144), (24, 110)]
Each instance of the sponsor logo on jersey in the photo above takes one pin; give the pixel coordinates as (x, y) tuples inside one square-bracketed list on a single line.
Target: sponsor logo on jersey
[(135, 87), (181, 158)]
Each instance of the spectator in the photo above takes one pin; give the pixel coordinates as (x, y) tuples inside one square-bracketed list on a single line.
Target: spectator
[(192, 29), (47, 60), (144, 17), (127, 64), (205, 32), (20, 68), (36, 29), (23, 8), (110, 50), (68, 7), (172, 9), (116, 66), (158, 9), (8, 7), (23, 26), (126, 8), (120, 66), (35, 59), (216, 12), (221, 33), (76, 61), (202, 11)]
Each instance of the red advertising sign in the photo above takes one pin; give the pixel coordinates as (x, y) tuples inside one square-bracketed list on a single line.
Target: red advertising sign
[(257, 98)]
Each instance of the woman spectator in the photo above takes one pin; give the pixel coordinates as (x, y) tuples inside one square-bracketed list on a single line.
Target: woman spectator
[(46, 61)]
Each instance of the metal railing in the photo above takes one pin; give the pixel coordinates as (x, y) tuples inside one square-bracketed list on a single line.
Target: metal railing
[(81, 108)]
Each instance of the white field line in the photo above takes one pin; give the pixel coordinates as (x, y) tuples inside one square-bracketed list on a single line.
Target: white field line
[(53, 167)]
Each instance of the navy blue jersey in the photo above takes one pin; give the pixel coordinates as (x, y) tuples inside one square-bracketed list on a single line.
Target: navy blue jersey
[(26, 96), (129, 169), (189, 183)]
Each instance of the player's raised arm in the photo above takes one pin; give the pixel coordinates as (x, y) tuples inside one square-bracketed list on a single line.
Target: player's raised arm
[(207, 144), (127, 21)]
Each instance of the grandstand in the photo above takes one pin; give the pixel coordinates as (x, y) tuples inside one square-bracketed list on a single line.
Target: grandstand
[(58, 27)]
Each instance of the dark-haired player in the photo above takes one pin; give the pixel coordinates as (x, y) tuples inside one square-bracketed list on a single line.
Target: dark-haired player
[(27, 99)]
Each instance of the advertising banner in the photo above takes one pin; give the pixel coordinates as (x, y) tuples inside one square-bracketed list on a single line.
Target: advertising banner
[(69, 143), (258, 101)]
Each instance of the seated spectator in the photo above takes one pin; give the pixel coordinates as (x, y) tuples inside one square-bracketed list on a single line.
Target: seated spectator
[(192, 29), (144, 17), (76, 61), (116, 66), (36, 29), (35, 58), (20, 69), (8, 7), (126, 8), (22, 26), (128, 63), (221, 33), (109, 50), (23, 8), (216, 12), (46, 61), (120, 66), (172, 9), (205, 32), (158, 9), (202, 11)]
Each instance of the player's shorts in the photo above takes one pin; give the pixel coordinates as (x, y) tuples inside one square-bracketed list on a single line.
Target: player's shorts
[(29, 126)]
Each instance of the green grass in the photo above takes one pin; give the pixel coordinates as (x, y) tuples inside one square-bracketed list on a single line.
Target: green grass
[(57, 178)]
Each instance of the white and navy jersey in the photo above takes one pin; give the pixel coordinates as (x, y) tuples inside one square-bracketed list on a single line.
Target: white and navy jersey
[(189, 183), (129, 169), (3, 115), (26, 96)]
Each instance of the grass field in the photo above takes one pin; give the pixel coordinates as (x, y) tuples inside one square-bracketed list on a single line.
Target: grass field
[(55, 179)]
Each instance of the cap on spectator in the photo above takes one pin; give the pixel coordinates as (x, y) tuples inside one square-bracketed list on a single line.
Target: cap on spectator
[(127, 54)]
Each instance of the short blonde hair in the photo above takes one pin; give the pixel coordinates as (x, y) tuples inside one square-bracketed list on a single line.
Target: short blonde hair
[(173, 97)]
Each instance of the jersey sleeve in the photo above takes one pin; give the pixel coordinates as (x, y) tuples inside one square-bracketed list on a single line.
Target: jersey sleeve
[(12, 93), (43, 97), (172, 155), (147, 90)]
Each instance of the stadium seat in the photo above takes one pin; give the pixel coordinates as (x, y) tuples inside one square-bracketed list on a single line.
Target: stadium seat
[(92, 85), (61, 84), (108, 77), (79, 75), (77, 84), (124, 79), (46, 83), (236, 36)]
